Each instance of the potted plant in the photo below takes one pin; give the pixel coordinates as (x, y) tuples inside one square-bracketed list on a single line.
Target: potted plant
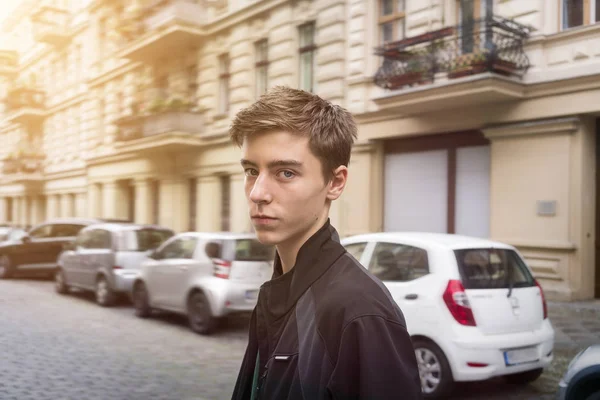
[(470, 64)]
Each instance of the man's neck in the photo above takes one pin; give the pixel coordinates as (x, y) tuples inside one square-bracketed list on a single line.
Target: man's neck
[(288, 252)]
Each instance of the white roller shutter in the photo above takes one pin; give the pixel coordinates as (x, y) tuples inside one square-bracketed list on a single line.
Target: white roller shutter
[(472, 216), (416, 191)]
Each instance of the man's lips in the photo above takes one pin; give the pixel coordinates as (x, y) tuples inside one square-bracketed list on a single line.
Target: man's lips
[(260, 216)]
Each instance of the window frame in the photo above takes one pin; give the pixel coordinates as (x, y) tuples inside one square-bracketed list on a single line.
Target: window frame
[(224, 65), (310, 49), (40, 227), (394, 17), (378, 244), (588, 18), (261, 66)]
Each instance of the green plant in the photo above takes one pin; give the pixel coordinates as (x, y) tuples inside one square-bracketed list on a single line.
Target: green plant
[(157, 105), (177, 104)]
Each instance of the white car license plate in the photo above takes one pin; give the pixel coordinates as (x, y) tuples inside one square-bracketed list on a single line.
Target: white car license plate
[(521, 356), (251, 294)]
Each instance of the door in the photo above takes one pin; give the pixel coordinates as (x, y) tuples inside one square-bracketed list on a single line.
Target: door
[(30, 254), (168, 269), (72, 260), (96, 256), (179, 272), (404, 270), (61, 235)]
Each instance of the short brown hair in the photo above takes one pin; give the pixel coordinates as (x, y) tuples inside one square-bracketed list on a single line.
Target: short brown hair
[(330, 128)]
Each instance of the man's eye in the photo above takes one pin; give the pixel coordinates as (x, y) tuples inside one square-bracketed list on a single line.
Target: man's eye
[(287, 174), (250, 172)]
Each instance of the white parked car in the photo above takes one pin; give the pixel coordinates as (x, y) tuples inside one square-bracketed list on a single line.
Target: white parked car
[(205, 276), (471, 305)]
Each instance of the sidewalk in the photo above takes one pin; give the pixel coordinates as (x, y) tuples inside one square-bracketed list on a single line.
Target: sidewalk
[(576, 324)]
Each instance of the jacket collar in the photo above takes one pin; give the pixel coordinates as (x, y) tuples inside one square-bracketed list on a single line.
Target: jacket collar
[(315, 257)]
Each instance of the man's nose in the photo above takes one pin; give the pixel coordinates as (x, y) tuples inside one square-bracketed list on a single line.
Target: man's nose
[(260, 192)]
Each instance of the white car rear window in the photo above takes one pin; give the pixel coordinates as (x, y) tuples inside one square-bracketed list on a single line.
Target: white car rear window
[(492, 269)]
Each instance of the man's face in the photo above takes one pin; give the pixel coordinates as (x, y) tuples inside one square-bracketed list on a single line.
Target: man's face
[(285, 188)]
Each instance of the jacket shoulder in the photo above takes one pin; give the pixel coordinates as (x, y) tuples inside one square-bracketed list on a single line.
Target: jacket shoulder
[(348, 291)]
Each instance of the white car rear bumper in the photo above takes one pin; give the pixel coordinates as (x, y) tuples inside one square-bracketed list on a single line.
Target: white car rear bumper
[(229, 296), (489, 352)]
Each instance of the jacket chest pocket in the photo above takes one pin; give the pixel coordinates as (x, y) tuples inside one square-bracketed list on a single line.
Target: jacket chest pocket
[(280, 379)]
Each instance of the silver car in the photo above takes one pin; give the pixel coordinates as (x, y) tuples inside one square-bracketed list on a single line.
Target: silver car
[(581, 381), (105, 258), (205, 276)]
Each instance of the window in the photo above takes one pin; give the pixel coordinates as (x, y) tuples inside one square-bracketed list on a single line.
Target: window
[(178, 248), (97, 239), (41, 232), (192, 79), (225, 186), (143, 239), (252, 250), (398, 262), (580, 12), (492, 269), (307, 56), (356, 250), (392, 18), (193, 186), (162, 86), (261, 50), (65, 230), (155, 188), (224, 84)]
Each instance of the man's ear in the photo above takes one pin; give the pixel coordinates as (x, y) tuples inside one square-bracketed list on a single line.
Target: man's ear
[(337, 183)]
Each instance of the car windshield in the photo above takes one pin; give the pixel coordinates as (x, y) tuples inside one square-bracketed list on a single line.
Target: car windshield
[(144, 239), (492, 269)]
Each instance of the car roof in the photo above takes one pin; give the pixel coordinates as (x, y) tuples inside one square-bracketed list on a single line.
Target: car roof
[(114, 226), (427, 239), (82, 221), (220, 235)]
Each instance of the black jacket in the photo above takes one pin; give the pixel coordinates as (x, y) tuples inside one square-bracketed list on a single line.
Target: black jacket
[(328, 329)]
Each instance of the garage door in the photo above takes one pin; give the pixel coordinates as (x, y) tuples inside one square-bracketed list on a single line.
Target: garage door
[(416, 191)]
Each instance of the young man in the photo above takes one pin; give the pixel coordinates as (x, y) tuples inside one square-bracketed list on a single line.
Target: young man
[(323, 327)]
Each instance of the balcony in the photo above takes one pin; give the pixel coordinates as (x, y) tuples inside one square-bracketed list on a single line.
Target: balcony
[(51, 25), (162, 130), (22, 167), (25, 104), (9, 63), (163, 28), (487, 51)]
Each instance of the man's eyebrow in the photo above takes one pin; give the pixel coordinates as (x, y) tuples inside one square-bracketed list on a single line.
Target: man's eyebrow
[(274, 163), (284, 163)]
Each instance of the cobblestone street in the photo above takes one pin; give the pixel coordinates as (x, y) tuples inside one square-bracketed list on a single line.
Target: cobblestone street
[(66, 347)]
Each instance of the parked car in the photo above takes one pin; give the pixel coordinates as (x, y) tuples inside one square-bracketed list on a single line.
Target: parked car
[(105, 258), (9, 234), (581, 380), (37, 251), (205, 276), (472, 306)]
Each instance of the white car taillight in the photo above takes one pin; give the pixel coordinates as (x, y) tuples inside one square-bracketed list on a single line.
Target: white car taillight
[(222, 268), (458, 303)]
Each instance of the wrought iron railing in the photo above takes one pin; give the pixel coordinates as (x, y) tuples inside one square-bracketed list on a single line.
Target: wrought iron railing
[(481, 45)]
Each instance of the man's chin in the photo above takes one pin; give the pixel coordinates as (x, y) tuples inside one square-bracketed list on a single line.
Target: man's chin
[(266, 237)]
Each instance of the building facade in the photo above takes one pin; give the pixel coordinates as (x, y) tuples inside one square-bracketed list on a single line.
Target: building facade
[(476, 117)]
